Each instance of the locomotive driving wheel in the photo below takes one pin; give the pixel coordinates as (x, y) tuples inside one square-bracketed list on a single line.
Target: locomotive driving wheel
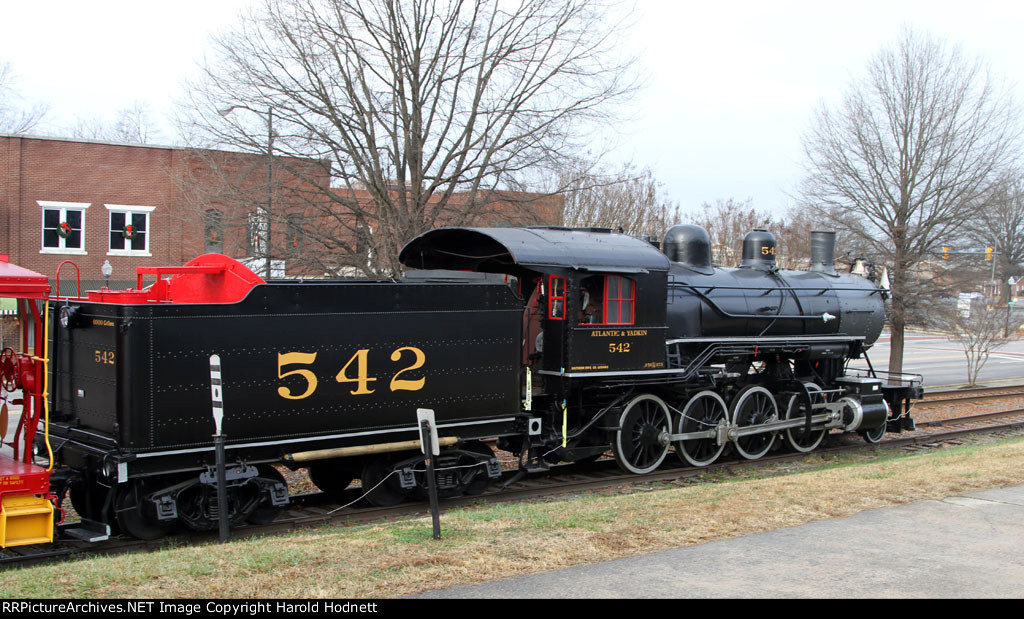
[(754, 405), (799, 438), (641, 443), (702, 412)]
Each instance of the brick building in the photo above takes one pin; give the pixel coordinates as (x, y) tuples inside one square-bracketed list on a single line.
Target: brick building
[(139, 205), (129, 204)]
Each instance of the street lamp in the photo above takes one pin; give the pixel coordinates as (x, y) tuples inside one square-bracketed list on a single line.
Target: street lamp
[(270, 171), (107, 271)]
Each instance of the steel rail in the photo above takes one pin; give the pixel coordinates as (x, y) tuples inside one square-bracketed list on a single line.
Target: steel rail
[(315, 509)]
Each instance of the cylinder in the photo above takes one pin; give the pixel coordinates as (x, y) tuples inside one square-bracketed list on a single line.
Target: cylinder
[(823, 249), (863, 413)]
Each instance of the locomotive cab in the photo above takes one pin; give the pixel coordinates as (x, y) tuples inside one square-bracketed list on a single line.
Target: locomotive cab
[(594, 301), (619, 325)]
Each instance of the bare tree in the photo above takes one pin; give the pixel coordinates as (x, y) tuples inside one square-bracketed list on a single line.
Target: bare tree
[(14, 118), (907, 157), (1000, 224), (426, 109), (132, 125), (980, 329), (727, 222), (626, 200)]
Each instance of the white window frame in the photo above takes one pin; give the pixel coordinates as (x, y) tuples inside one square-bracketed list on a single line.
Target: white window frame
[(63, 207), (129, 209)]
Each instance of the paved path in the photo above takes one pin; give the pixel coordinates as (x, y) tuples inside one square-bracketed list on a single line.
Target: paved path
[(967, 546)]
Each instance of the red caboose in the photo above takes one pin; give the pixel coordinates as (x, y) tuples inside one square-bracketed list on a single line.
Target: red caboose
[(26, 505)]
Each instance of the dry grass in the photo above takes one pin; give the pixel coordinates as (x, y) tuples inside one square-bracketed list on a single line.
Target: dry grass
[(499, 541)]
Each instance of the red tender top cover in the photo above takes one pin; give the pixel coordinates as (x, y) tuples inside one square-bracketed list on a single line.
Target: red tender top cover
[(210, 278)]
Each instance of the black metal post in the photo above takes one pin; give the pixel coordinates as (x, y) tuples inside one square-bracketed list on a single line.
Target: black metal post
[(431, 482), (222, 486), (219, 439)]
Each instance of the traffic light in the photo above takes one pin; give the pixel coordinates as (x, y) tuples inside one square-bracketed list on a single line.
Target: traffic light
[(945, 252), (988, 253)]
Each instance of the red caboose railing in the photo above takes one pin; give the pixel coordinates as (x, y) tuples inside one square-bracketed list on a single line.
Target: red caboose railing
[(26, 506)]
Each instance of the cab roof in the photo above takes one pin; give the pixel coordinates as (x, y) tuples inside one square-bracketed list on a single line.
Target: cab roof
[(498, 249)]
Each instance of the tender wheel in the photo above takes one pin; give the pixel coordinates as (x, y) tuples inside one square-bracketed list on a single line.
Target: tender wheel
[(332, 476), (798, 438), (386, 494), (478, 481), (701, 413), (754, 405), (641, 442), (135, 517), (87, 499), (199, 509), (265, 511)]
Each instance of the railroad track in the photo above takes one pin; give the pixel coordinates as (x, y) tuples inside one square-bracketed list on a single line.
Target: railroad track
[(308, 510), (934, 423), (970, 395)]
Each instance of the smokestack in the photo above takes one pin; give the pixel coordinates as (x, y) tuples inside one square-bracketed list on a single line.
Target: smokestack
[(823, 249)]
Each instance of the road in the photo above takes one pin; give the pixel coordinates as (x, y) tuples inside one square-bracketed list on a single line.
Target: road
[(943, 364)]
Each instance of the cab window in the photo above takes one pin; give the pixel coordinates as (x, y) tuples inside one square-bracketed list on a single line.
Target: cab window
[(556, 297), (619, 298), (607, 300)]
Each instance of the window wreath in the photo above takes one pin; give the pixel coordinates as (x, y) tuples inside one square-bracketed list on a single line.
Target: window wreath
[(64, 230), (129, 232)]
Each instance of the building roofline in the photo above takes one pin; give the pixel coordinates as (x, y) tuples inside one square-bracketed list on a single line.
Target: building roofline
[(25, 136)]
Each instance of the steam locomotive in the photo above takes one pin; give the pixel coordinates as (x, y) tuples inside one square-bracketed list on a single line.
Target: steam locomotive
[(562, 344)]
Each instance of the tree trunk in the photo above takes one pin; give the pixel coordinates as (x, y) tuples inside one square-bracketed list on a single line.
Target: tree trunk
[(896, 346)]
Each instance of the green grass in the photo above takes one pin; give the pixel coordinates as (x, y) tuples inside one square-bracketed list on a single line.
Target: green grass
[(486, 542)]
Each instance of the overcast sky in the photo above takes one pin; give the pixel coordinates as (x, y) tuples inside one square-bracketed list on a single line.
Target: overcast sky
[(729, 86)]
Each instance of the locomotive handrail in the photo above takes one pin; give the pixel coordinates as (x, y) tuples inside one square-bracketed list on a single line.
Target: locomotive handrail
[(826, 316), (821, 289), (909, 377), (797, 339)]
